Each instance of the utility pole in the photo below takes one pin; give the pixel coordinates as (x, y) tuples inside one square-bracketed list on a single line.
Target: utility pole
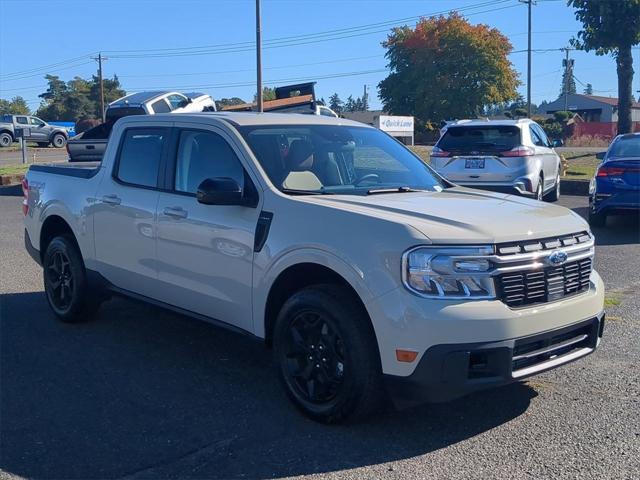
[(258, 58), (568, 74), (529, 4), (99, 59), (365, 100)]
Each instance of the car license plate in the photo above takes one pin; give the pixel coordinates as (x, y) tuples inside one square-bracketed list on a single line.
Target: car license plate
[(474, 163)]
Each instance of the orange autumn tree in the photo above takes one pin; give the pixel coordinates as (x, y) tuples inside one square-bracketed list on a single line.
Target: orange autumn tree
[(446, 68)]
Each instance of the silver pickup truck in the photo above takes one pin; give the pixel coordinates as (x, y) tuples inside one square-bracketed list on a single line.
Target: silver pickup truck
[(37, 131), (364, 270)]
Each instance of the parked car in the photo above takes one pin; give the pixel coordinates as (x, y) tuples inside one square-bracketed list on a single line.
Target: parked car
[(90, 145), (358, 264), (512, 156), (38, 131), (615, 187)]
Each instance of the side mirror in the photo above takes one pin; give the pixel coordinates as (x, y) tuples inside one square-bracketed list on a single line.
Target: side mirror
[(600, 155), (557, 143), (219, 191)]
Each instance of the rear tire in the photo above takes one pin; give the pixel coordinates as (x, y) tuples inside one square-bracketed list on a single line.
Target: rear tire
[(65, 282), (554, 195), (539, 195), (5, 140), (597, 219), (327, 356), (59, 140)]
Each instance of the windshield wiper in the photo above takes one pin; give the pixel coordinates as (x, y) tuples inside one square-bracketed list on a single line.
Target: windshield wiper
[(375, 191), (293, 191)]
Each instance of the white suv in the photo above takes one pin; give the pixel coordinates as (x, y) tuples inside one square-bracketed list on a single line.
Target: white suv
[(512, 156)]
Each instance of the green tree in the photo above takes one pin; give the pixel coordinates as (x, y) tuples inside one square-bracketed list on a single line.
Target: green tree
[(568, 83), (16, 106), (268, 93), (611, 27), (447, 68), (225, 102), (77, 99), (336, 104), (588, 90)]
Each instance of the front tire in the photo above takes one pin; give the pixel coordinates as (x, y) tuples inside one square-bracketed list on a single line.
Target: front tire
[(65, 282), (59, 140), (327, 356)]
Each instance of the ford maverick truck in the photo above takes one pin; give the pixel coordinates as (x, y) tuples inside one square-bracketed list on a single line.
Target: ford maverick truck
[(366, 272)]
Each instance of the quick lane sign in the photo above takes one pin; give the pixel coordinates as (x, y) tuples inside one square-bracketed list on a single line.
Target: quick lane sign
[(389, 123)]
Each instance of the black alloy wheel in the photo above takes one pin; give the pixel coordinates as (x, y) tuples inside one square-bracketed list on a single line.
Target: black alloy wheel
[(314, 357), (59, 280)]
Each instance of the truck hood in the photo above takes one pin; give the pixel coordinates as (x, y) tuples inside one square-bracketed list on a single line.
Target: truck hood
[(462, 215)]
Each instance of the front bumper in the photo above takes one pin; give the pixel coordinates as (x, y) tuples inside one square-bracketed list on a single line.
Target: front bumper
[(450, 371)]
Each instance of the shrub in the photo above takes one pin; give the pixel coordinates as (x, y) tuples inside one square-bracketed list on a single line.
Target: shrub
[(86, 124), (588, 141), (562, 116)]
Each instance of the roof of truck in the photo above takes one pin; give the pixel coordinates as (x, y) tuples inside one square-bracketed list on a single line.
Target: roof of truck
[(250, 118), (482, 122)]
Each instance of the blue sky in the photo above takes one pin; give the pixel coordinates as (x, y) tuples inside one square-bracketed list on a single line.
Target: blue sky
[(66, 33)]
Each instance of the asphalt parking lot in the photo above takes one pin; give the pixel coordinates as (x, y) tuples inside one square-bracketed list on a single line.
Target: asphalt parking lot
[(144, 393)]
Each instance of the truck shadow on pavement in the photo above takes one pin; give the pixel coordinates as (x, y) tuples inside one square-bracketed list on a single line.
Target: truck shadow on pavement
[(143, 393)]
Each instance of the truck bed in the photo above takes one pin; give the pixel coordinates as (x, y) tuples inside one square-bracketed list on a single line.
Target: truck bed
[(79, 170)]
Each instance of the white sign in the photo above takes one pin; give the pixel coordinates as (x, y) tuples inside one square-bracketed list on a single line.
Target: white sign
[(389, 123)]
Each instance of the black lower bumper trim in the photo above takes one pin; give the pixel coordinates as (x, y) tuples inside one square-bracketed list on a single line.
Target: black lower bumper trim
[(450, 371)]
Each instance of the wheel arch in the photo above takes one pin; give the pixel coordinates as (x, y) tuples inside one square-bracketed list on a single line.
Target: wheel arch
[(53, 226), (294, 278), (6, 130)]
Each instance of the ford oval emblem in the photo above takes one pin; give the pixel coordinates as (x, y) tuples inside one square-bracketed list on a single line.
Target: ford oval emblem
[(558, 257)]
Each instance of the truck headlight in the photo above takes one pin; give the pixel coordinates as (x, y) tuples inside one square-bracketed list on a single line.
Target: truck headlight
[(449, 272)]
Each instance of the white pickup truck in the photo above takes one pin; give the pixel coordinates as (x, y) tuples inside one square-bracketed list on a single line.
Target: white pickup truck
[(364, 270)]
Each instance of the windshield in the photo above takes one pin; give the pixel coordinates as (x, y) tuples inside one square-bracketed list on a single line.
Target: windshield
[(625, 147), (480, 138), (337, 159)]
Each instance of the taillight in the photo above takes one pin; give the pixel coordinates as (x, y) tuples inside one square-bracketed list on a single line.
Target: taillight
[(520, 151), (25, 194), (438, 152), (615, 171)]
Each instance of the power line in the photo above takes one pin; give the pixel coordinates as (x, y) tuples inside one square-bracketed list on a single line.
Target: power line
[(295, 38), (267, 82), (303, 40)]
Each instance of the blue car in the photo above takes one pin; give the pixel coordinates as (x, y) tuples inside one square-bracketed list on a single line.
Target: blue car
[(615, 188)]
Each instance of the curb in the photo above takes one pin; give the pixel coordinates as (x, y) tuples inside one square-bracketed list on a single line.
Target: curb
[(574, 187), (11, 190)]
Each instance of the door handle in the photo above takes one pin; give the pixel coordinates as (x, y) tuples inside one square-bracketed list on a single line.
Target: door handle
[(175, 212), (90, 147), (111, 199)]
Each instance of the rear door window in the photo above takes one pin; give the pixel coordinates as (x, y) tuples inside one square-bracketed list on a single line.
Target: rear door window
[(140, 154), (535, 137), (490, 138)]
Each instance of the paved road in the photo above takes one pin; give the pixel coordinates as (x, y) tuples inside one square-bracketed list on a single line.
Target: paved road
[(142, 393), (42, 155)]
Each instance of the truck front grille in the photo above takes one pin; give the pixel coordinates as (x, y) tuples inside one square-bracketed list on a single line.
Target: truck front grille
[(542, 285)]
